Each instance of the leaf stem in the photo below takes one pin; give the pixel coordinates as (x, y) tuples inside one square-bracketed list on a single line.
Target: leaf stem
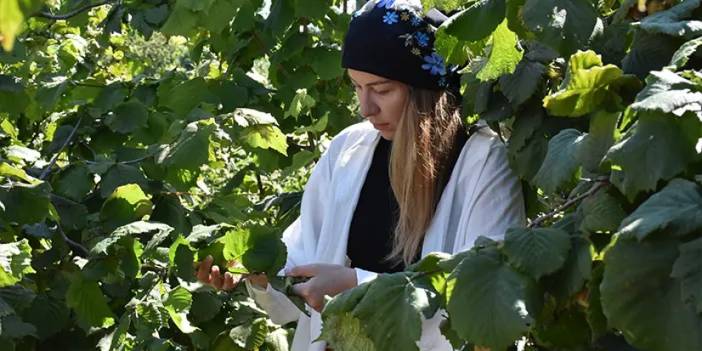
[(576, 199), (47, 170)]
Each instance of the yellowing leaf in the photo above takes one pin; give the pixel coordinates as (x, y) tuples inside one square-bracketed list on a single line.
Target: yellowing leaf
[(504, 55)]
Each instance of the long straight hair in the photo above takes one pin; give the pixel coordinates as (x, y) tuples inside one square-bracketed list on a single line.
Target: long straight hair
[(422, 149)]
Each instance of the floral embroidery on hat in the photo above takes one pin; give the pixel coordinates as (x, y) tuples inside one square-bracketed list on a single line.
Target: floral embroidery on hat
[(390, 17), (405, 16), (434, 64), (416, 51), (408, 37), (422, 39), (416, 21), (385, 3)]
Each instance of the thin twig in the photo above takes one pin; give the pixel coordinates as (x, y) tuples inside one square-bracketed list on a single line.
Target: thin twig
[(595, 187), (73, 13), (261, 189), (79, 249), (47, 170)]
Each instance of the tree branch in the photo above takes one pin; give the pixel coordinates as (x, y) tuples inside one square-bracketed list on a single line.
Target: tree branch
[(73, 13), (47, 170), (595, 187)]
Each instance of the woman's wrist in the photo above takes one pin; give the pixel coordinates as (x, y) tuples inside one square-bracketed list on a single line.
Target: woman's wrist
[(258, 280)]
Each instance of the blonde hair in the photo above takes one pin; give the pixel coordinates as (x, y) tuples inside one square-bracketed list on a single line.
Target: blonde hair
[(423, 147)]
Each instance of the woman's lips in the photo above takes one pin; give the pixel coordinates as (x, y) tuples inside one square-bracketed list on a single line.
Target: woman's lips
[(381, 126)]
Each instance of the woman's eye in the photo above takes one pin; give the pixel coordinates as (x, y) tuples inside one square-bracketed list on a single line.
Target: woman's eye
[(382, 92)]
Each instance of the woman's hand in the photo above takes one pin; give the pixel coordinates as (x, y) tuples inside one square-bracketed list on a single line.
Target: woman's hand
[(212, 275), (325, 279)]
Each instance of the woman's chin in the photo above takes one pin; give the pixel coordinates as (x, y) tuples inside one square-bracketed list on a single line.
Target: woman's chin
[(387, 135)]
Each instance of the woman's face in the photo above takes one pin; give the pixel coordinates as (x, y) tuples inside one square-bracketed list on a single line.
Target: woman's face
[(382, 100)]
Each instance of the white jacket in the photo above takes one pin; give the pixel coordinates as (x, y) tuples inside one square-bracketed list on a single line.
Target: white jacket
[(482, 197)]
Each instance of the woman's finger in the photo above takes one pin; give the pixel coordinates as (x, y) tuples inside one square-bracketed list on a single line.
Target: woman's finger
[(229, 281), (301, 290), (203, 270), (306, 270), (216, 277), (312, 299)]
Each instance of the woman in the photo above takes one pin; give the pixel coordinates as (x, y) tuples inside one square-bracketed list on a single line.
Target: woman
[(406, 182)]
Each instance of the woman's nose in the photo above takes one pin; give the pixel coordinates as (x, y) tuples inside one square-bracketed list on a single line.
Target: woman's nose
[(368, 107)]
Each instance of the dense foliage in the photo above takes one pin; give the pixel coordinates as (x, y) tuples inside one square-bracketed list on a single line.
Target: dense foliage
[(200, 118), (138, 136)]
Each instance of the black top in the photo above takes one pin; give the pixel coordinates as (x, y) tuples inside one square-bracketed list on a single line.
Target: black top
[(375, 217)]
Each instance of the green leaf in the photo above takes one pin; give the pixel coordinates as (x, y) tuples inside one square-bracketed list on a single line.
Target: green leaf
[(586, 86), (280, 18), (158, 233), (126, 204), (595, 144), (118, 175), (491, 304), (519, 86), (181, 257), (564, 329), (651, 314), (265, 137), (564, 25), (682, 55), (221, 12), (178, 303), (391, 298), (117, 339), (13, 97), (676, 210), (48, 314), (128, 117), (504, 55), (340, 328), (15, 262), (453, 51), (182, 21), (301, 103), (12, 17), (660, 148), (311, 9), (561, 163), (246, 117), (196, 5), (25, 204), (250, 336), (183, 97), (88, 301), (673, 21), (325, 62), (75, 183), (343, 331), (527, 147), (477, 21), (191, 150), (593, 313), (205, 306), (668, 92), (538, 251), (574, 273), (601, 212), (688, 269), (14, 328), (259, 249)]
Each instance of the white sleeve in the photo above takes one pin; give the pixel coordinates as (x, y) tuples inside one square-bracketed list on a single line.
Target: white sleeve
[(497, 203), (300, 238)]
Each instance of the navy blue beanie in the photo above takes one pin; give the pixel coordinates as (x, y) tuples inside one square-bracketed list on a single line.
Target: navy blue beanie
[(392, 39)]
